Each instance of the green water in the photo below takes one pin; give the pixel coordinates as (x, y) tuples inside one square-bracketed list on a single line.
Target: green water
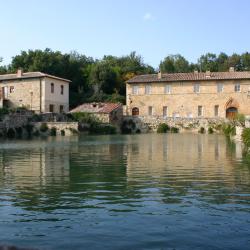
[(173, 191)]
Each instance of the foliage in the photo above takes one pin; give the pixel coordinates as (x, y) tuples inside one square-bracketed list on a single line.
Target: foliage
[(174, 130), (83, 117), (210, 130), (53, 131), (3, 112), (128, 126), (163, 128), (102, 129), (246, 137), (43, 127), (240, 118), (228, 129), (174, 64), (202, 130)]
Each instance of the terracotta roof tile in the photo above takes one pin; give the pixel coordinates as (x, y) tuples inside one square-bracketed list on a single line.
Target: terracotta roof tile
[(28, 75), (99, 107), (190, 77)]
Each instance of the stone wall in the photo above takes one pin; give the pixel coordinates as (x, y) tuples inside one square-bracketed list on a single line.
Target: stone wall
[(147, 124), (68, 127)]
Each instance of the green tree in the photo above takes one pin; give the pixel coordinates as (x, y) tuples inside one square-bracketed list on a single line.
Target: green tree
[(174, 64), (208, 62)]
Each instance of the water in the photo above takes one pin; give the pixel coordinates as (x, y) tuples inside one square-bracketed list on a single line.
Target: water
[(173, 191)]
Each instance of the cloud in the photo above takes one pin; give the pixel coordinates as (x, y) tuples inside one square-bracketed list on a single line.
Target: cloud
[(147, 17)]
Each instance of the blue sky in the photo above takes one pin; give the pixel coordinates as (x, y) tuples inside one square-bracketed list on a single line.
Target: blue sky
[(154, 29)]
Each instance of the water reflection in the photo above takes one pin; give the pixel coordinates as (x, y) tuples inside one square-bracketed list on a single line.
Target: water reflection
[(154, 181)]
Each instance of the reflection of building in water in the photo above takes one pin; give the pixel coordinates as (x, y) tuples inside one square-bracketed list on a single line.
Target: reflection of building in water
[(32, 167), (178, 153)]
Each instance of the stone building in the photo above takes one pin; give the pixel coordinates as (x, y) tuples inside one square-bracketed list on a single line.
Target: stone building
[(105, 112), (189, 95), (36, 91)]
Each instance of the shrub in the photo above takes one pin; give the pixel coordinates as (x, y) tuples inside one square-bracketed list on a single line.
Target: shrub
[(11, 133), (174, 130), (53, 131), (240, 118), (202, 130), (62, 132), (19, 131), (29, 128), (44, 127), (210, 130), (163, 128), (228, 129), (246, 137), (102, 129)]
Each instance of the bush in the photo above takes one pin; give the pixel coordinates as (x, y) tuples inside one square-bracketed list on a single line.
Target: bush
[(44, 127), (240, 118), (29, 128), (53, 131), (163, 128), (11, 133), (210, 130), (246, 137), (174, 130), (202, 130), (229, 130), (3, 112), (102, 129)]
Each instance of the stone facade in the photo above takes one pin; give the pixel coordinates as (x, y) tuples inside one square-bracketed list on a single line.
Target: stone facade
[(150, 124), (36, 91), (178, 98)]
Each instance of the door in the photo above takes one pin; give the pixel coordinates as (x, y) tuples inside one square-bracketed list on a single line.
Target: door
[(231, 113)]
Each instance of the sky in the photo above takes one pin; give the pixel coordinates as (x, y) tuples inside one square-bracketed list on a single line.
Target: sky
[(152, 28)]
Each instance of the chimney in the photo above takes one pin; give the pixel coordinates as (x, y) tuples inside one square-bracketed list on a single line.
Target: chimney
[(208, 73), (159, 75), (231, 69), (19, 73), (196, 71)]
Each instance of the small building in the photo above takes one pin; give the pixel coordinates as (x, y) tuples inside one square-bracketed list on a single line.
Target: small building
[(105, 112), (36, 91), (189, 95)]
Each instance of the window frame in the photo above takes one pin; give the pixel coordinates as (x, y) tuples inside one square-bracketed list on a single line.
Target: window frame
[(148, 89), (135, 89), (62, 89), (168, 89), (51, 107), (237, 87), (216, 110), (52, 88), (165, 111), (195, 86), (12, 89), (150, 110), (220, 87), (200, 111)]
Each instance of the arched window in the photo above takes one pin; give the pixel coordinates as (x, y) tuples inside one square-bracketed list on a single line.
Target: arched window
[(52, 87), (135, 111)]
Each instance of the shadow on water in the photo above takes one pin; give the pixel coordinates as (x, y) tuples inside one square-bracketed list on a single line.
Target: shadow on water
[(160, 185)]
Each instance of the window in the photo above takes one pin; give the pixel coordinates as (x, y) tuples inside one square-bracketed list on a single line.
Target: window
[(216, 110), (148, 89), (165, 111), (135, 90), (51, 108), (237, 87), (61, 108), (52, 87), (11, 89), (62, 89), (200, 111), (196, 88), (219, 87), (150, 110), (168, 89)]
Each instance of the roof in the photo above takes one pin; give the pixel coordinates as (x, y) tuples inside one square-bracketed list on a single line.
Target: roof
[(29, 75), (190, 77), (100, 107)]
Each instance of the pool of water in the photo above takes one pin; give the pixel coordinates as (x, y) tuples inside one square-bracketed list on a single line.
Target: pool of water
[(171, 191)]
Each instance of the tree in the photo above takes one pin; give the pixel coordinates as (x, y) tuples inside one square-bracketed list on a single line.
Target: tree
[(174, 64), (208, 62)]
